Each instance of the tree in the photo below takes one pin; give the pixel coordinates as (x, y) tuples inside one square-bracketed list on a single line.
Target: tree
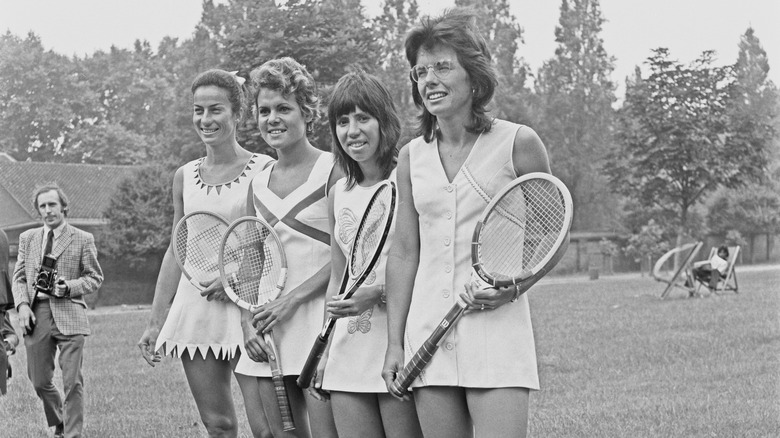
[(752, 211), (575, 114), (754, 99), (391, 27), (645, 245), (140, 215), (41, 99), (329, 37), (504, 36), (674, 138), (106, 143)]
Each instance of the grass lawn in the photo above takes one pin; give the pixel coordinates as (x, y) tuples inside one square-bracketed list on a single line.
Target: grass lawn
[(614, 361)]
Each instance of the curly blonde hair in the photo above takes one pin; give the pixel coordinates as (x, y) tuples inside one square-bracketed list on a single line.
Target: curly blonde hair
[(288, 76)]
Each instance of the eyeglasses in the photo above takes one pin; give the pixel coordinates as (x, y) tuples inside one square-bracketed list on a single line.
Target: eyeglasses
[(440, 69)]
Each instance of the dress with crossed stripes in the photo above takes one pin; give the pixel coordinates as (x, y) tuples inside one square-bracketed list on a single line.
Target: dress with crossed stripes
[(195, 324), (301, 221)]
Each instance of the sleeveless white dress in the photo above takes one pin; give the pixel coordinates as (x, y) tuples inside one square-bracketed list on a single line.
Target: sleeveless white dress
[(193, 323), (357, 350), (301, 221), (489, 349)]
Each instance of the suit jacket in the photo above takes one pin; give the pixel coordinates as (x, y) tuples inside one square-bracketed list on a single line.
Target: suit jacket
[(76, 261), (6, 297)]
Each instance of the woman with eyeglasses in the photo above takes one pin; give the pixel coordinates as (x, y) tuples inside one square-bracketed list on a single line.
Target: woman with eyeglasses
[(478, 382)]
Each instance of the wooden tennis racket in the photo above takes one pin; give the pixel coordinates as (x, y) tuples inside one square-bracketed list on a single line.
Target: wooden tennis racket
[(196, 240), (520, 237), (253, 270), (365, 251)]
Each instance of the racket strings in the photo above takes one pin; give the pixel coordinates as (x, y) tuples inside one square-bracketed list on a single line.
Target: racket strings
[(197, 245), (370, 231), (252, 260), (521, 230)]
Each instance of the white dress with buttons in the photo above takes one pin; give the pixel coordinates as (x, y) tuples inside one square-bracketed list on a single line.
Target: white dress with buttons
[(487, 349)]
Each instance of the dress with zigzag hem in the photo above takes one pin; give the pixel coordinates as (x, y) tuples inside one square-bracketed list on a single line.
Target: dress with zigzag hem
[(194, 324)]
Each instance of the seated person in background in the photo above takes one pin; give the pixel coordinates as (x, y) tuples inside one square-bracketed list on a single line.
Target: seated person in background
[(703, 271)]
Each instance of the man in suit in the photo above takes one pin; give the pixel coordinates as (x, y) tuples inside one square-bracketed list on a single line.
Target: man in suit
[(56, 318), (8, 337)]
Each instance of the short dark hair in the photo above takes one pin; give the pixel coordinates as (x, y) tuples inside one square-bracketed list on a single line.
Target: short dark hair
[(723, 248), (456, 29), (288, 76), (47, 187), (363, 90), (230, 82)]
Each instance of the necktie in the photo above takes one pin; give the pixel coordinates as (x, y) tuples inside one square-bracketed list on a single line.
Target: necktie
[(49, 242)]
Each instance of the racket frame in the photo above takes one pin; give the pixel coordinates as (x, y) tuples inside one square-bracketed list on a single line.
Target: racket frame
[(425, 353), (550, 260), (277, 376), (322, 340), (177, 252)]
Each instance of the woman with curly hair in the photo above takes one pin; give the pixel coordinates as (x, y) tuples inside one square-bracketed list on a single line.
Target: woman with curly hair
[(291, 195)]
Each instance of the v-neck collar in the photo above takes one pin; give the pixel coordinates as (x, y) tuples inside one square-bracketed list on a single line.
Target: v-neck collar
[(460, 169)]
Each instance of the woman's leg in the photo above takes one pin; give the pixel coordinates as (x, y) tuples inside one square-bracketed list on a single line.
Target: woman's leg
[(297, 406), (320, 416), (250, 390), (443, 412), (356, 414), (399, 417), (209, 381), (499, 412)]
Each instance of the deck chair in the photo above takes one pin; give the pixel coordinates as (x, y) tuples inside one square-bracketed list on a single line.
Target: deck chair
[(728, 280), (679, 277)]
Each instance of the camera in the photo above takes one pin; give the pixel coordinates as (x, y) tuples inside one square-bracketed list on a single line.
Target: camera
[(47, 275)]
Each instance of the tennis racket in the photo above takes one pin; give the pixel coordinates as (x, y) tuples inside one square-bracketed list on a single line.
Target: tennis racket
[(196, 240), (253, 270), (520, 237), (365, 251)]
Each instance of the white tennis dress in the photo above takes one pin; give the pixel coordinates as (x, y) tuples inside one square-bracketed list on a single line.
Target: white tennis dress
[(301, 221), (195, 324), (489, 349), (357, 350)]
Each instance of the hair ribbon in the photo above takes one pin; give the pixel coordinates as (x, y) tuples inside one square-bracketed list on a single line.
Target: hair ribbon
[(238, 78)]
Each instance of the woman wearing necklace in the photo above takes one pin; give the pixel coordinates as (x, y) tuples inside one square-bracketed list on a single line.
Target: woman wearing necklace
[(204, 328)]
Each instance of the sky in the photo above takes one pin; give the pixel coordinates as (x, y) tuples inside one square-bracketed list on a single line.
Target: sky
[(633, 27)]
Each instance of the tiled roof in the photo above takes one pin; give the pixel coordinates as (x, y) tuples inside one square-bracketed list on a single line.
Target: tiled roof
[(89, 187)]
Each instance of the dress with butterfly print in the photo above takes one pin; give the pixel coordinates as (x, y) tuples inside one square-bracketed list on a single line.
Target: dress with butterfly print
[(358, 347)]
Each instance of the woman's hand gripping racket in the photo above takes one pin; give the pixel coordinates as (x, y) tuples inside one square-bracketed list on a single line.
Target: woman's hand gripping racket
[(253, 269), (521, 236), (366, 248), (196, 240)]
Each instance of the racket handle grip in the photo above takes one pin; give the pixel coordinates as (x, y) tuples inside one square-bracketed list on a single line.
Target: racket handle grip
[(284, 402), (413, 369), (310, 367), (277, 376), (415, 366)]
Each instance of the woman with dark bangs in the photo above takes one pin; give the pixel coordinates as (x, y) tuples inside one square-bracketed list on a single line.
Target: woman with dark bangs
[(291, 195), (365, 129), (478, 382)]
